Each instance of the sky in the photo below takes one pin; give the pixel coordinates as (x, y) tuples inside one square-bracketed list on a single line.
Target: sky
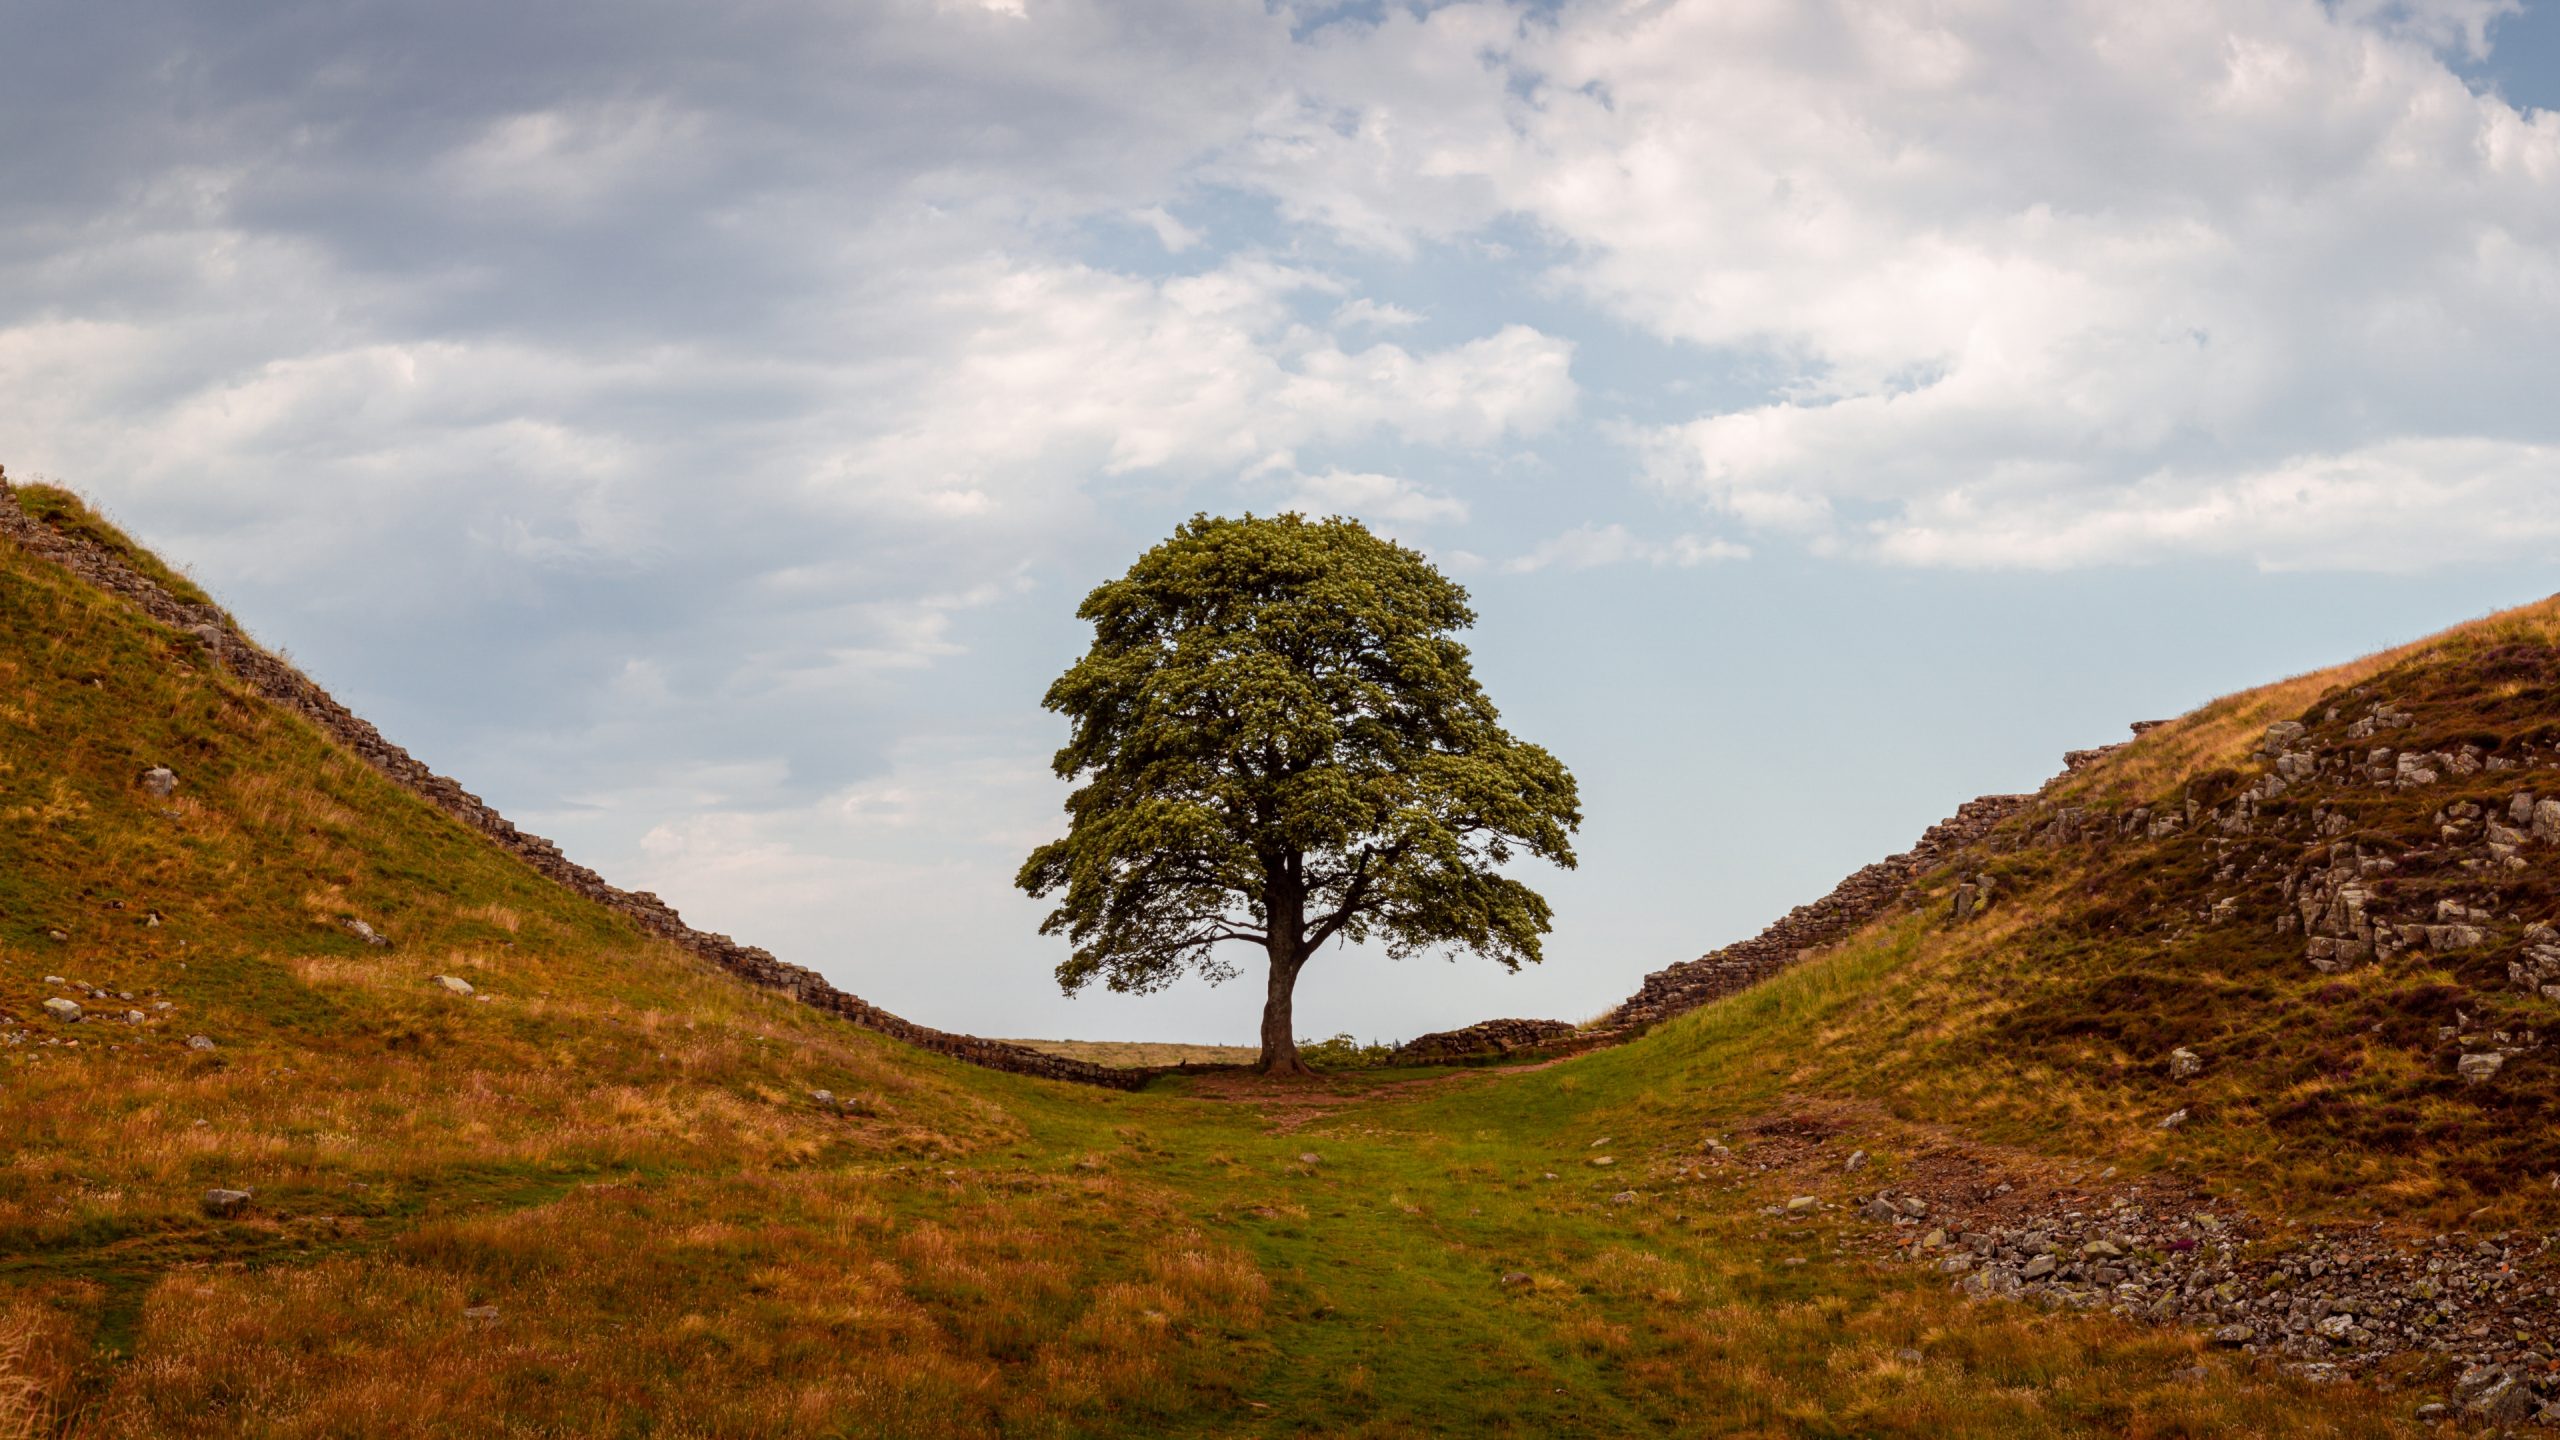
[(693, 426)]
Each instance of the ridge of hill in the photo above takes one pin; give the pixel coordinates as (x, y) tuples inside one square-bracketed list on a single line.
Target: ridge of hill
[(54, 525)]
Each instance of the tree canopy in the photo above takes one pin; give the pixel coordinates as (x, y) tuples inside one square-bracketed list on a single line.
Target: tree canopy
[(1280, 742)]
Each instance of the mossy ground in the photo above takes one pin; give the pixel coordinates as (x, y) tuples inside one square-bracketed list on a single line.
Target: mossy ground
[(599, 1201)]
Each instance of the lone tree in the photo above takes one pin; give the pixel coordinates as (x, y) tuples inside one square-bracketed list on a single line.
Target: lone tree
[(1280, 743)]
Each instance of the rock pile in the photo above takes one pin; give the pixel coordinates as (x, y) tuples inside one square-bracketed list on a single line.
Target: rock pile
[(2327, 1302), (283, 685)]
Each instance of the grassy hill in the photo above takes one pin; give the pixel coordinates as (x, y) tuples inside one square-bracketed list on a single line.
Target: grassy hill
[(596, 1194)]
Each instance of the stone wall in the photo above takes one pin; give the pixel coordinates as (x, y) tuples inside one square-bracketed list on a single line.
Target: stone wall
[(290, 688), (1488, 1038)]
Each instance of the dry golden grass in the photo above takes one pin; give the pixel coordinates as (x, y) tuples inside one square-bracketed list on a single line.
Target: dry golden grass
[(2226, 731)]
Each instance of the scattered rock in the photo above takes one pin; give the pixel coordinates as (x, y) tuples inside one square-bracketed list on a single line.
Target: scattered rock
[(63, 1010), (1623, 1197), (161, 781), (1515, 1278), (455, 983), (200, 1042), (2173, 1119), (1601, 1161), (2494, 1394), (1309, 1157), (223, 1204), (2282, 736), (56, 936), (364, 932), (824, 1097), (2185, 1064), (2479, 1069), (1857, 1161), (1804, 1205)]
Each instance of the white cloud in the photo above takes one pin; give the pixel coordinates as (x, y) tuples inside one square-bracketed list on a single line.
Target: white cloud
[(2012, 260), (1385, 500), (2400, 506), (1367, 314), (1172, 234), (1041, 372), (1588, 547), (569, 159)]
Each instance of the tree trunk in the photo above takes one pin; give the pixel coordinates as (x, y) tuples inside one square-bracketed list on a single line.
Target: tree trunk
[(1279, 1026)]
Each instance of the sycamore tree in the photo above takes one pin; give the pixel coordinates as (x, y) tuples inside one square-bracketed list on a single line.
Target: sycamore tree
[(1279, 742)]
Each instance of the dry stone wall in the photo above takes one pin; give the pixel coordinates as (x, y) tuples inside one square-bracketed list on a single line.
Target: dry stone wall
[(283, 685)]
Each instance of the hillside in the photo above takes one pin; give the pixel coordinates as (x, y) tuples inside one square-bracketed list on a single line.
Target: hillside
[(499, 1154)]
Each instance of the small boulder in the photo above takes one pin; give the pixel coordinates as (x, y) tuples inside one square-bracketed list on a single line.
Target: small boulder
[(2493, 1394), (2173, 1119), (223, 1204), (2185, 1064), (63, 1010), (160, 781), (1515, 1279), (824, 1097), (365, 933), (1804, 1205), (454, 983), (1309, 1157), (1623, 1197), (1857, 1161), (2480, 1069), (200, 1042)]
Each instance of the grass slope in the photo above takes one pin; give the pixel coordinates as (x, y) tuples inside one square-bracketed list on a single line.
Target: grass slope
[(595, 1197)]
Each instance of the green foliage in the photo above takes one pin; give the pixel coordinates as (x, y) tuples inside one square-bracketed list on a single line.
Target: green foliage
[(1280, 741), (1344, 1053)]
